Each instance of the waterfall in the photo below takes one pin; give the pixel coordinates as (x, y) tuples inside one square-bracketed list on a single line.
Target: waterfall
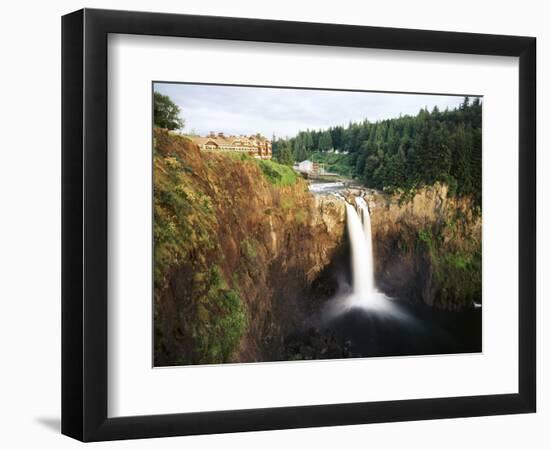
[(359, 230), (367, 231), (363, 293)]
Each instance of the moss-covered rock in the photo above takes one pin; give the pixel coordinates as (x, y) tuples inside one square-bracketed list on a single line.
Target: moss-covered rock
[(428, 247)]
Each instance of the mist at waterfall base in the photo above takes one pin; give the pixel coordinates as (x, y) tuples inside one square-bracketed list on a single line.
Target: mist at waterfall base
[(369, 323), (363, 293)]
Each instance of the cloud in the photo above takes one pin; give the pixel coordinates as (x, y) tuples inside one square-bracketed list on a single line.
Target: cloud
[(284, 112)]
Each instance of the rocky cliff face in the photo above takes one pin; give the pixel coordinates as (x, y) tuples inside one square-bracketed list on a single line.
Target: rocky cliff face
[(428, 248), (238, 243)]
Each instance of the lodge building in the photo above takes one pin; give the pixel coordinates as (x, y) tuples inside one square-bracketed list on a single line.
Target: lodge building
[(257, 145)]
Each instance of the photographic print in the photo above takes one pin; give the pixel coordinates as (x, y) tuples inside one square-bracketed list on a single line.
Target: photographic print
[(298, 224)]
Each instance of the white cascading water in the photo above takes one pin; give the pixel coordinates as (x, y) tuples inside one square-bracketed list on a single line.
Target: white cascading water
[(368, 270), (363, 293), (361, 255)]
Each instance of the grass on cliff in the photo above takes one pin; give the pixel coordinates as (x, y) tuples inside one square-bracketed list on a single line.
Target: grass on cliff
[(275, 173)]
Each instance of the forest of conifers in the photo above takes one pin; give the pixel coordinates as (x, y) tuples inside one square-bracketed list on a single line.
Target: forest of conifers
[(401, 153)]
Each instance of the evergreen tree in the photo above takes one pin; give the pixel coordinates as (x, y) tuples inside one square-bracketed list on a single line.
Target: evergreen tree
[(325, 142), (336, 135), (308, 141), (285, 156), (409, 151)]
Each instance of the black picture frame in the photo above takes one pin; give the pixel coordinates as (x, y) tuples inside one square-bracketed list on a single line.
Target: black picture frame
[(84, 224)]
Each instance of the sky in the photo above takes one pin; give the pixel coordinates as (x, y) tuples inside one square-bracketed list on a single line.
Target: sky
[(236, 110)]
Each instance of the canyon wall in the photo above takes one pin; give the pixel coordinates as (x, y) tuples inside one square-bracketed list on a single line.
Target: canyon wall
[(427, 247), (238, 243)]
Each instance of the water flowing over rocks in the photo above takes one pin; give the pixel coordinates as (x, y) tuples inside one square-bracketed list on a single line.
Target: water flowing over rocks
[(426, 245)]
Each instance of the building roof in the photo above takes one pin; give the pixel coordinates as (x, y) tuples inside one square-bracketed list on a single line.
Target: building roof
[(222, 140)]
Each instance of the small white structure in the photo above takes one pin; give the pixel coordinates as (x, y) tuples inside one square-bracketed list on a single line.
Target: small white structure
[(308, 167), (305, 166)]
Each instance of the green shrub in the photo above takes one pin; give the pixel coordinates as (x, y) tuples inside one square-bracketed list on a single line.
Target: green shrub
[(287, 202), (457, 271), (184, 218), (221, 321), (300, 217), (233, 324), (249, 248), (277, 174), (335, 162)]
